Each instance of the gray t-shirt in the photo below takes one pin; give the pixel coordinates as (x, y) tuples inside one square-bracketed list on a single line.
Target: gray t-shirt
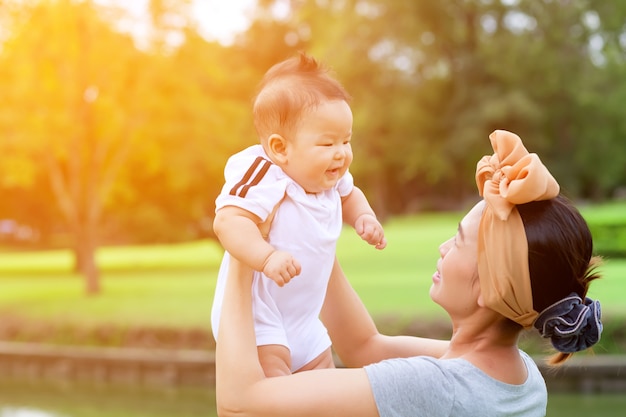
[(428, 387)]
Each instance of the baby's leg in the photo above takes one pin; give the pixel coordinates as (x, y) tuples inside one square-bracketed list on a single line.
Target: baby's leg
[(275, 360), (323, 361)]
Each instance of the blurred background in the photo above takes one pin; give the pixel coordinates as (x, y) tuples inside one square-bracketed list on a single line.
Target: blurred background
[(117, 117)]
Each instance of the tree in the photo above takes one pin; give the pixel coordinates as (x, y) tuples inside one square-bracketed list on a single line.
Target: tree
[(67, 73), (200, 114), (128, 143), (432, 79)]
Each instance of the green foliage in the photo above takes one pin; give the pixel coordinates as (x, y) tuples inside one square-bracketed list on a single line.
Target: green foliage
[(125, 140), (609, 239), (432, 79), (608, 228)]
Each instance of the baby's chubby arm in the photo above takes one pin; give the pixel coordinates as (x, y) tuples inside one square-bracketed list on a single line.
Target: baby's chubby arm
[(239, 233), (358, 213)]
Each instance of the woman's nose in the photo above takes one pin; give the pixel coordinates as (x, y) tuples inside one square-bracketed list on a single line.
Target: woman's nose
[(444, 248)]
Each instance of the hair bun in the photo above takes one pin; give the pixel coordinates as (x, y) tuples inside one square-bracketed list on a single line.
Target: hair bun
[(571, 324)]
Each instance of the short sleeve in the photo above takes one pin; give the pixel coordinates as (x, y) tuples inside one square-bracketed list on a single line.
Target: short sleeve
[(252, 182), (345, 184), (411, 387)]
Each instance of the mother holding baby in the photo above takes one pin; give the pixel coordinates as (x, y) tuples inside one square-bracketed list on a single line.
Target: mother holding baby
[(520, 259)]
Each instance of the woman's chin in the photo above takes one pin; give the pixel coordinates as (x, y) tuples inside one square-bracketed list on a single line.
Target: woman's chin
[(433, 293)]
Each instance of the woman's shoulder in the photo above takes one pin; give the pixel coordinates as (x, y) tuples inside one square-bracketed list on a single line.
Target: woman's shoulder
[(416, 374), (443, 385), (406, 386), (440, 367)]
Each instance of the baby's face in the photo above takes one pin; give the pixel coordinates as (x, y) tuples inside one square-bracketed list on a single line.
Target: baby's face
[(319, 153)]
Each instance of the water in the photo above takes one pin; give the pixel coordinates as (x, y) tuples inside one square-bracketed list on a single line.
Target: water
[(47, 399)]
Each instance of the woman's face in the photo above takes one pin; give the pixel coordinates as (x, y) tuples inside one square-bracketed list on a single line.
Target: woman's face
[(455, 283)]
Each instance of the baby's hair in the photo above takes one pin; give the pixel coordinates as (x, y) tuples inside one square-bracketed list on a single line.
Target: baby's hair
[(290, 88)]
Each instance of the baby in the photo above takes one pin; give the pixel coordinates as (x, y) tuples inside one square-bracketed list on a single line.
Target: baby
[(282, 208)]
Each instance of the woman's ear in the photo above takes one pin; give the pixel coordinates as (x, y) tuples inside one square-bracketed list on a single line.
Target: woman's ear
[(480, 301), (277, 148)]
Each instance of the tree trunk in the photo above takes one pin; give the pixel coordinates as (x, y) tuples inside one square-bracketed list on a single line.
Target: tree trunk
[(85, 258), (86, 265)]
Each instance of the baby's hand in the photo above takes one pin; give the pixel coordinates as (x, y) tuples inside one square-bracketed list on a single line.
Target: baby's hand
[(370, 231), (280, 267)]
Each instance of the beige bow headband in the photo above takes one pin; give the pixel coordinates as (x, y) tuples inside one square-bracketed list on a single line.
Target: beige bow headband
[(509, 177)]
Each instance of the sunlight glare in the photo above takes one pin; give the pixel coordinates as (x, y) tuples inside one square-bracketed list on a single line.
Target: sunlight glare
[(222, 20), (217, 20)]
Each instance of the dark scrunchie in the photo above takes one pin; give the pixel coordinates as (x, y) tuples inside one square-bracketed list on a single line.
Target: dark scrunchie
[(571, 324)]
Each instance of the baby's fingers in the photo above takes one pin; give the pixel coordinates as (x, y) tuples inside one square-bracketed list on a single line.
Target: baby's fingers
[(292, 270), (372, 235), (296, 268)]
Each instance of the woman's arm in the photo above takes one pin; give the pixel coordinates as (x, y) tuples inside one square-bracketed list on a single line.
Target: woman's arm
[(242, 388), (353, 332)]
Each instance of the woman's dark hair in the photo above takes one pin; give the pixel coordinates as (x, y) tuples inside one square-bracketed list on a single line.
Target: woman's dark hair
[(560, 253)]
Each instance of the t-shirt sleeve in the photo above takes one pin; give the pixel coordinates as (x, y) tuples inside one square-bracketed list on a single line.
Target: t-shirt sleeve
[(411, 387), (345, 184), (252, 183)]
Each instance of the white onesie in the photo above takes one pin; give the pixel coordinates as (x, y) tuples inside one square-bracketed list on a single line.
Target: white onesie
[(305, 225)]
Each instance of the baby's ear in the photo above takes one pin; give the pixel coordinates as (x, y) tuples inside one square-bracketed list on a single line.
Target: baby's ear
[(277, 148)]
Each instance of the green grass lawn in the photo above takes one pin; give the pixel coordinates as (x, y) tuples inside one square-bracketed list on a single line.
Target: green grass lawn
[(169, 285), (172, 285)]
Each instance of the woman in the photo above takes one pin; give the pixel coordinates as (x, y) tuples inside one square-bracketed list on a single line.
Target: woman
[(521, 258)]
